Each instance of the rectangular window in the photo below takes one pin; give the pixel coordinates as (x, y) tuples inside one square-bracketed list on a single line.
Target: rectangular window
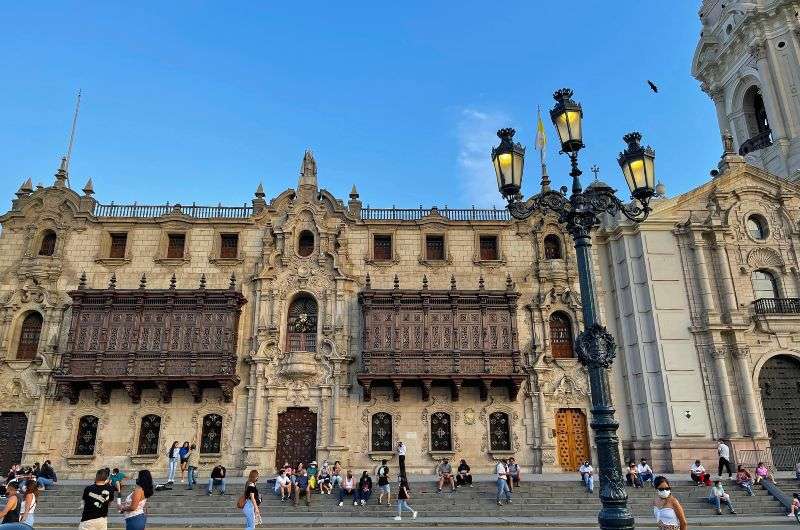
[(118, 243), (434, 248), (488, 248), (382, 248), (175, 247), (229, 246)]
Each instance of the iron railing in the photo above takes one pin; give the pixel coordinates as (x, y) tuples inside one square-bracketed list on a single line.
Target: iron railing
[(777, 306), (302, 342), (778, 458), (158, 210), (759, 141), (453, 214)]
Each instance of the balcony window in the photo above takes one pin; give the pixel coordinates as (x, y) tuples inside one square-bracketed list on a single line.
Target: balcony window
[(561, 336), (764, 285), (382, 247), (29, 336), (488, 246), (302, 325), (119, 242), (552, 247), (229, 246), (176, 245), (434, 248), (305, 243), (48, 245)]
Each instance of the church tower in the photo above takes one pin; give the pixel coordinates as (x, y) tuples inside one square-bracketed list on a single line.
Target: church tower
[(748, 61)]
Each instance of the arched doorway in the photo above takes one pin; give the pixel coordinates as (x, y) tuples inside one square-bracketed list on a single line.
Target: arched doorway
[(779, 382)]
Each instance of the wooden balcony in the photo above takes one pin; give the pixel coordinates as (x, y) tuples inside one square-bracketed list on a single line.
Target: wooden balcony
[(449, 337), (161, 338)]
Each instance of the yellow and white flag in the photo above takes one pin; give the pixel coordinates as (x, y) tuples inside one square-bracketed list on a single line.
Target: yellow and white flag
[(541, 136)]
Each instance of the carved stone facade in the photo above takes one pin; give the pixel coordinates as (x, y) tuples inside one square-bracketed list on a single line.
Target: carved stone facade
[(300, 262)]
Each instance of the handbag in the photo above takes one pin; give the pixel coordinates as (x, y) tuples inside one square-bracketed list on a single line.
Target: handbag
[(241, 502)]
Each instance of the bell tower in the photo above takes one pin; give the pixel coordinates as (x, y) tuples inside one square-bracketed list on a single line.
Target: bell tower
[(748, 62)]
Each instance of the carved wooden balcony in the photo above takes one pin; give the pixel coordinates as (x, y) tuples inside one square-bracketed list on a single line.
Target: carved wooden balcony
[(432, 337), (140, 338)]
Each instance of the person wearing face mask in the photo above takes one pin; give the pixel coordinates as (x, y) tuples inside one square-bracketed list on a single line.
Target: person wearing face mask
[(666, 508), (587, 476)]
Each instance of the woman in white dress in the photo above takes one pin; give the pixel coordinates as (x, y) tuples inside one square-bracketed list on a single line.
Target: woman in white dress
[(666, 508)]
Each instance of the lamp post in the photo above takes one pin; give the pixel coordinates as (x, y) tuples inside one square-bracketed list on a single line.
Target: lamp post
[(580, 214)]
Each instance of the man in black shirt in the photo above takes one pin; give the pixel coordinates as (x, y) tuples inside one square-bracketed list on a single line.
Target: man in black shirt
[(217, 480), (96, 499)]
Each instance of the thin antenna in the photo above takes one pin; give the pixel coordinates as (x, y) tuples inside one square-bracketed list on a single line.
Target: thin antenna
[(72, 132)]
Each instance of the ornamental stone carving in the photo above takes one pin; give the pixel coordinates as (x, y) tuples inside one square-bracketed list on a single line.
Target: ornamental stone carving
[(764, 258)]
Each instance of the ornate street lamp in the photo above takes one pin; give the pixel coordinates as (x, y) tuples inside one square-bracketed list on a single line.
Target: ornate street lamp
[(580, 213)]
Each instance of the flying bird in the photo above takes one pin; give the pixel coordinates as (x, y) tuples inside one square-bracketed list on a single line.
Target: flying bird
[(653, 87)]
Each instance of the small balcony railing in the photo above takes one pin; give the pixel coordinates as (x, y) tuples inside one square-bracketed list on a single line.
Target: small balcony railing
[(777, 306), (302, 342), (759, 141)]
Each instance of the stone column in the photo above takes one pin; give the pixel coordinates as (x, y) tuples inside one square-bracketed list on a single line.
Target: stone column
[(728, 290), (257, 422), (703, 277), (741, 356), (724, 388)]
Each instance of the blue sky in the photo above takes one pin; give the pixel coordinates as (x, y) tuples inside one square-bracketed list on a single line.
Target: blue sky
[(201, 101)]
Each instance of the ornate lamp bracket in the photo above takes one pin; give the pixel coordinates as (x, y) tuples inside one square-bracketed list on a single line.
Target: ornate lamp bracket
[(595, 347)]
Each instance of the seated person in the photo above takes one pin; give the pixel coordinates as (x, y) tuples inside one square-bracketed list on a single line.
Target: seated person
[(513, 473), (348, 487), (117, 478), (699, 474), (302, 485), (324, 481), (312, 474), (763, 472), (645, 471), (632, 476), (47, 475), (717, 497), (283, 486), (463, 476), (217, 480), (587, 476), (364, 488), (794, 509), (445, 473), (744, 480)]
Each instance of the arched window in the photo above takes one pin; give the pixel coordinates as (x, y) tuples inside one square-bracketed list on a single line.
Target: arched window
[(149, 433), (381, 431), (302, 325), (48, 245), (552, 247), (441, 432), (756, 122), (29, 336), (499, 432), (305, 243), (211, 434), (87, 435), (764, 285), (757, 227), (561, 336)]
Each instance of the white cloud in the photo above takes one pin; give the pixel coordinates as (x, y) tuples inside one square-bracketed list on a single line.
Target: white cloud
[(477, 134)]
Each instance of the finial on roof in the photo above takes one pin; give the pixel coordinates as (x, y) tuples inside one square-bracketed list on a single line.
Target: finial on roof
[(424, 282), (61, 174), (453, 282), (260, 191), (661, 190), (232, 284), (203, 281), (88, 189), (82, 281), (27, 186), (172, 282), (112, 282), (369, 282), (480, 283), (396, 282), (354, 193), (143, 281), (308, 170)]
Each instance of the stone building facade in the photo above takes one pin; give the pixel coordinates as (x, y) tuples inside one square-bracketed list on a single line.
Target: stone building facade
[(95, 370)]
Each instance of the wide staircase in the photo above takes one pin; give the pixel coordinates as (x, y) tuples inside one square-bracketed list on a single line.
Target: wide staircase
[(553, 502)]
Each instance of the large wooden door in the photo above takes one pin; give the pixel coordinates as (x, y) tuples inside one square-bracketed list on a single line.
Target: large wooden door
[(573, 438), (779, 382), (297, 437), (12, 438)]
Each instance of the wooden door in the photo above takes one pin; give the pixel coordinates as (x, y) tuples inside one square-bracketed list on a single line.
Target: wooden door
[(297, 437), (779, 382), (573, 438), (12, 438)]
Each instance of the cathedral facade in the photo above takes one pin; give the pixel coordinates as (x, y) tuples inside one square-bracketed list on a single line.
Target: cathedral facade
[(305, 327)]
